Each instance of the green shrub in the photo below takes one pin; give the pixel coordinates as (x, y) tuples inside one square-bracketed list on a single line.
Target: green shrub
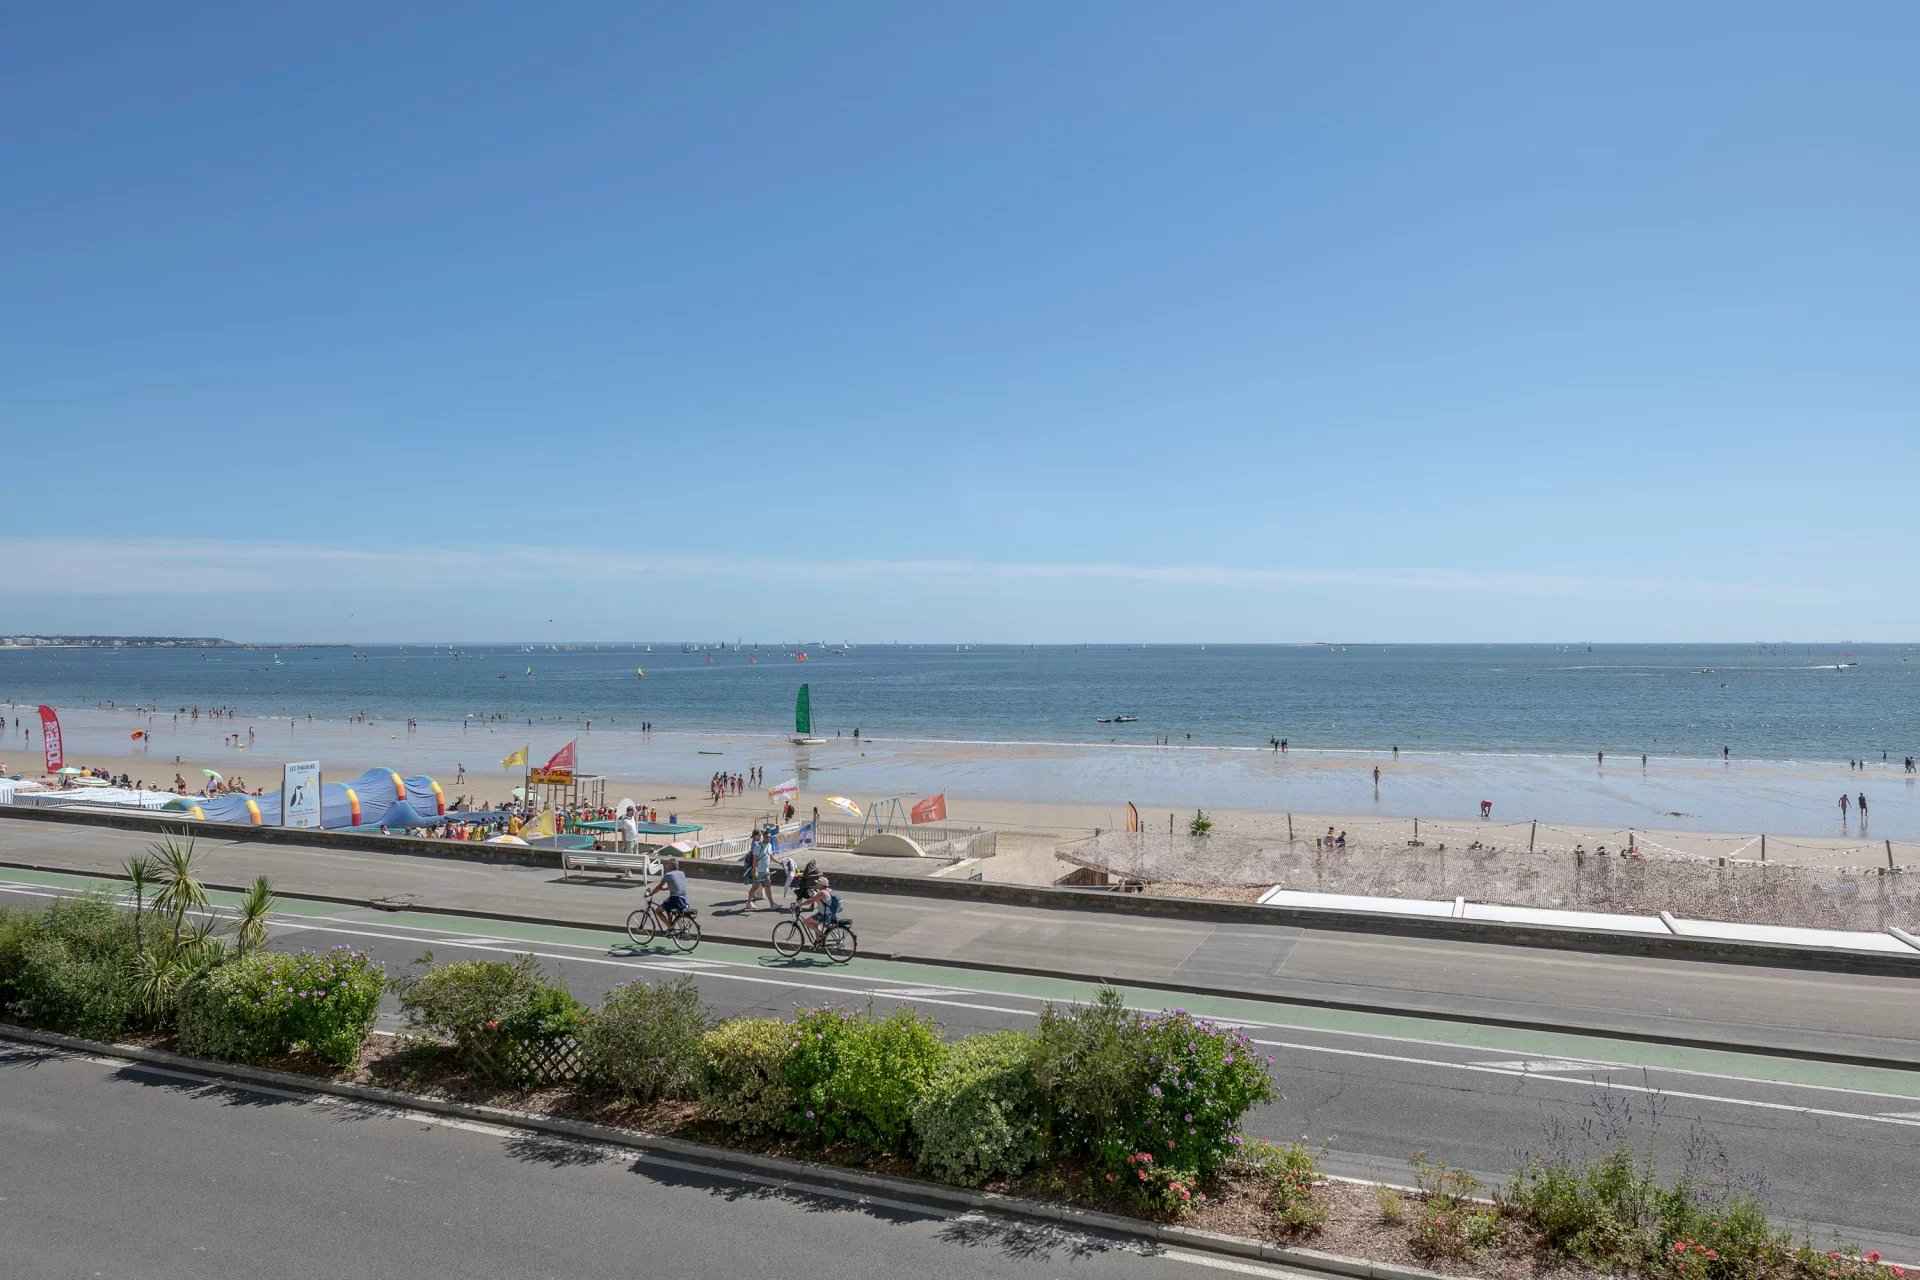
[(644, 1042), (1287, 1175), (63, 988), (17, 929), (743, 1080), (497, 1013), (979, 1116), (267, 1004), (1392, 1205), (855, 1078), (1120, 1085), (66, 968), (1615, 1212)]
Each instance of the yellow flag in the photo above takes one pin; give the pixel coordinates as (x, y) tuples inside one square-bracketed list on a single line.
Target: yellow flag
[(543, 825), (517, 758)]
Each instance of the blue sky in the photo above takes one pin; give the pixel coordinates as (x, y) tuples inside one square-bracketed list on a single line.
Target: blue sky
[(1003, 322)]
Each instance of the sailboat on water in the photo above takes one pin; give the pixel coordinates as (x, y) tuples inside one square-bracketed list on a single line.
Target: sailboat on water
[(803, 720)]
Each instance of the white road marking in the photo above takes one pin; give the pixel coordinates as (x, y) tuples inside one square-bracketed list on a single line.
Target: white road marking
[(1552, 1065), (300, 923), (1218, 1263)]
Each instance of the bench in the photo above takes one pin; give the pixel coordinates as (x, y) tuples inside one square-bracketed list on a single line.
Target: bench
[(624, 864)]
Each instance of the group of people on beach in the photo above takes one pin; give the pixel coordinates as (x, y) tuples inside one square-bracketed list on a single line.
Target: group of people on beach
[(732, 784)]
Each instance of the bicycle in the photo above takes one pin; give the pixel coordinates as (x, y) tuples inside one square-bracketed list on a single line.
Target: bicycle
[(837, 941), (649, 922)]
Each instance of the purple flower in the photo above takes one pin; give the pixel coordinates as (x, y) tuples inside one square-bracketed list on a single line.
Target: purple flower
[(1154, 1090)]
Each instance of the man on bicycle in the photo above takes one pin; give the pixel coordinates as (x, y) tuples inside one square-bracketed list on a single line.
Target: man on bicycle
[(826, 909), (674, 881)]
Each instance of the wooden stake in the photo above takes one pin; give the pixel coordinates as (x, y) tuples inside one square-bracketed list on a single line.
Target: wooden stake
[(1531, 833)]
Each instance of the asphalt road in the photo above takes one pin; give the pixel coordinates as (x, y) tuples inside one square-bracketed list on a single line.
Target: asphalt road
[(1828, 1146), (1775, 1008), (132, 1173)]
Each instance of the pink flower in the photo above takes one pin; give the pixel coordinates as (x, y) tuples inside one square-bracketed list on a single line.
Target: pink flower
[(1141, 1174), (1111, 1177), (1873, 1255)]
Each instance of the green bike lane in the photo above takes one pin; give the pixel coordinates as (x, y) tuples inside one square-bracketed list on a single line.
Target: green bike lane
[(1534, 1052), (1831, 1144)]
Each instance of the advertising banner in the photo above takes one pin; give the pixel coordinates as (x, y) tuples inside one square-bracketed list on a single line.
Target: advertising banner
[(932, 809), (300, 794), (50, 739)]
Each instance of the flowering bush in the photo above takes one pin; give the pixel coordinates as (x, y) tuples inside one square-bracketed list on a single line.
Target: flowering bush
[(267, 1004), (979, 1116), (743, 1074), (856, 1078), (1119, 1085)]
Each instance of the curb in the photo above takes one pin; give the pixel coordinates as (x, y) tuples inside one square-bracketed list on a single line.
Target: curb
[(797, 1172), (1718, 1045)]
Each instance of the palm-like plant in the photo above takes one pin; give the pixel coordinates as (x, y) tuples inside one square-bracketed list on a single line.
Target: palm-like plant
[(143, 875), (180, 890), (254, 910)]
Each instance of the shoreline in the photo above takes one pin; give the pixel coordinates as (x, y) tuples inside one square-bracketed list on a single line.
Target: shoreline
[(580, 723), (1032, 832)]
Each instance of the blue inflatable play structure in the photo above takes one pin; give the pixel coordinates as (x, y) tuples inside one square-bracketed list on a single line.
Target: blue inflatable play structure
[(377, 798)]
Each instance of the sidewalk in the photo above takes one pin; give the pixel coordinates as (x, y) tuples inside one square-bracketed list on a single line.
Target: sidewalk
[(1730, 1005)]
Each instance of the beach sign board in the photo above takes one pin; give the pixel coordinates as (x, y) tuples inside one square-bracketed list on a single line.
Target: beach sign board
[(300, 794)]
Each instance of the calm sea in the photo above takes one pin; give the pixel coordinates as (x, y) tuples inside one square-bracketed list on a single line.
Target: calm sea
[(1770, 701)]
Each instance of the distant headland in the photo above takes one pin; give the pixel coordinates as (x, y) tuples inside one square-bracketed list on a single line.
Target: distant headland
[(116, 642)]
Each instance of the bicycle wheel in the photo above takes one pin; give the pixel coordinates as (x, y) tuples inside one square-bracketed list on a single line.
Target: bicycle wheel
[(788, 939), (640, 927), (685, 933), (840, 944)]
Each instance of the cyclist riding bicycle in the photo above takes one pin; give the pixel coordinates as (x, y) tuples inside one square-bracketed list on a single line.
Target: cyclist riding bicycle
[(674, 881), (826, 905)]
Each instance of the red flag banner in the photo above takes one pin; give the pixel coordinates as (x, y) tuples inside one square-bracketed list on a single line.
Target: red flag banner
[(50, 739), (563, 758), (932, 809)]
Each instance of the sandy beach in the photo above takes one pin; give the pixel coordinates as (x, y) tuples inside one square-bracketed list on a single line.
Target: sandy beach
[(669, 772)]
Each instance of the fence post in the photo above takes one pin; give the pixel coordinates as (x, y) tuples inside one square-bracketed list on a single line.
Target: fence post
[(1289, 828), (1763, 846), (1531, 833), (1889, 855), (1416, 828)]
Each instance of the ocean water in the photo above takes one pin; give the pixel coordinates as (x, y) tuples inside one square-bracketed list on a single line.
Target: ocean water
[(1517, 725), (1780, 702)]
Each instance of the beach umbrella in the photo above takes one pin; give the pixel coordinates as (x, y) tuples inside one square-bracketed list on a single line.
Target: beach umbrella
[(844, 804), (70, 771), (507, 840), (215, 774), (791, 787), (681, 846), (91, 782)]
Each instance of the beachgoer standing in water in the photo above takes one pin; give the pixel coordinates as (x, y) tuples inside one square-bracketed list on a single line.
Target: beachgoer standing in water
[(1843, 811), (1861, 804)]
